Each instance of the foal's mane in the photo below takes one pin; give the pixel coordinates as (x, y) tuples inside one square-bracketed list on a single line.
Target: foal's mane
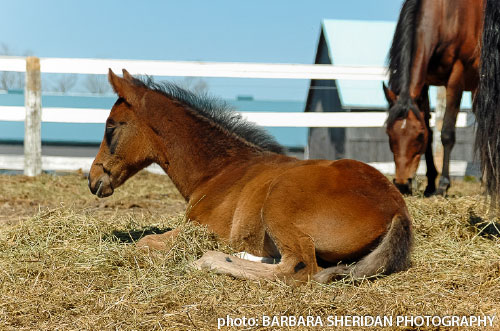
[(400, 61), (217, 111)]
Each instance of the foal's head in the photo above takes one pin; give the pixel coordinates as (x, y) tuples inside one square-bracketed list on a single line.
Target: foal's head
[(408, 137), (127, 146)]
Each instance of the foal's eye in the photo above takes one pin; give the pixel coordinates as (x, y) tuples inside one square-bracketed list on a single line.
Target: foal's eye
[(109, 134)]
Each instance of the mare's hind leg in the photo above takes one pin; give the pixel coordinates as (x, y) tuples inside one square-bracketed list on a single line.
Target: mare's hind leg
[(160, 242), (454, 91)]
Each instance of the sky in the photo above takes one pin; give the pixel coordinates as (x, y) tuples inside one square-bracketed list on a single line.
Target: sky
[(269, 31)]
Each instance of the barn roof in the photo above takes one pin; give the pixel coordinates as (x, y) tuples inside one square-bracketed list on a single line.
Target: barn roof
[(363, 43)]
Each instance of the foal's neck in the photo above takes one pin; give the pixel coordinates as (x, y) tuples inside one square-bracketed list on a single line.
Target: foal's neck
[(192, 148)]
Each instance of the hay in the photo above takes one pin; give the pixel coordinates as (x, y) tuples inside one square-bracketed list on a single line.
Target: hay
[(63, 264)]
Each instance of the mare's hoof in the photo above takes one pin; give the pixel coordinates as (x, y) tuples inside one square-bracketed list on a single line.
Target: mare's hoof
[(442, 190), (429, 192), (444, 185)]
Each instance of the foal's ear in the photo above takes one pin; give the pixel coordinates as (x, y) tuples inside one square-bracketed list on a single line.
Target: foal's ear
[(389, 95), (127, 76), (124, 87)]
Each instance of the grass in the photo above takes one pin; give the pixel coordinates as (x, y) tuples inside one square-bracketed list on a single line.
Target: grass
[(62, 268)]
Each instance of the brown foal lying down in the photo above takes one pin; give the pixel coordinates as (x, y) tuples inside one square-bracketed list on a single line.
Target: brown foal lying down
[(238, 183)]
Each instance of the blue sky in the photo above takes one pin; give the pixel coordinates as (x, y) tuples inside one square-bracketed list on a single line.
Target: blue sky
[(275, 31)]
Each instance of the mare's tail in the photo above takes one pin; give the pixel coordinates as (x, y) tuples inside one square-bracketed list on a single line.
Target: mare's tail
[(391, 255), (487, 101)]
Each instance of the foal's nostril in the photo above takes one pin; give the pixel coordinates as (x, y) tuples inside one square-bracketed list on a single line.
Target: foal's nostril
[(98, 188), (94, 189)]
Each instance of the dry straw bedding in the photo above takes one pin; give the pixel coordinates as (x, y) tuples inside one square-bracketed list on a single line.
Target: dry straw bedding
[(61, 269)]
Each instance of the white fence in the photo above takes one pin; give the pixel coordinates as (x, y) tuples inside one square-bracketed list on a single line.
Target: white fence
[(197, 69), (171, 68)]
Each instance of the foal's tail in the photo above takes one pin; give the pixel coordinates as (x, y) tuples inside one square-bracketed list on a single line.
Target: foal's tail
[(487, 101), (391, 255)]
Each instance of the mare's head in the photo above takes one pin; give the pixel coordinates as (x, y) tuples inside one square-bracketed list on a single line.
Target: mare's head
[(128, 142), (408, 136)]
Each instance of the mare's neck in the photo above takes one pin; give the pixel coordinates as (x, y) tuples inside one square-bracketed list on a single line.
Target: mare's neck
[(192, 149)]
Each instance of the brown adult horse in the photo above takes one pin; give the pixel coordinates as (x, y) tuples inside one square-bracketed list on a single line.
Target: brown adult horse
[(238, 184), (436, 42)]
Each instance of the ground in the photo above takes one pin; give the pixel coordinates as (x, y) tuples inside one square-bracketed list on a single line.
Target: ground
[(67, 262)]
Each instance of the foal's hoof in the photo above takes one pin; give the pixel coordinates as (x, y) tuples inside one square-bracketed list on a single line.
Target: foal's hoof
[(333, 273), (151, 243), (208, 260)]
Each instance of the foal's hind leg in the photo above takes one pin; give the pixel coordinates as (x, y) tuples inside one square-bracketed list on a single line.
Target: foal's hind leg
[(297, 249), (298, 259), (234, 266), (288, 269)]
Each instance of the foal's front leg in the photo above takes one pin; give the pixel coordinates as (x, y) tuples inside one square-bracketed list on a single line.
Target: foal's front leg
[(160, 242)]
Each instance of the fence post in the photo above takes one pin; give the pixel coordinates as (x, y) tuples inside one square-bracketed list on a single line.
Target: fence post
[(438, 125), (32, 122)]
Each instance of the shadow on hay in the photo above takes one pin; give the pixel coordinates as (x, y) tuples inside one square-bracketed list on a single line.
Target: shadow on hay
[(485, 228), (131, 236)]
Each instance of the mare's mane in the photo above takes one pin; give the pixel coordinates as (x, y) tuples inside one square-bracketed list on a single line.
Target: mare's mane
[(400, 61), (216, 111)]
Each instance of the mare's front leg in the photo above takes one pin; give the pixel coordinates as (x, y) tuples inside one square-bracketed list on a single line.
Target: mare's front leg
[(429, 157), (454, 91), (160, 242)]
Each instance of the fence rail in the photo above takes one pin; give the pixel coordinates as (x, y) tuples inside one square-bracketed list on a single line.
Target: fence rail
[(198, 69), (268, 119), (184, 68)]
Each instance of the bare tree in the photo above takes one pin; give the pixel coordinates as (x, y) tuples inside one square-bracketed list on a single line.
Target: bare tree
[(65, 83), (97, 84), (195, 84), (8, 79)]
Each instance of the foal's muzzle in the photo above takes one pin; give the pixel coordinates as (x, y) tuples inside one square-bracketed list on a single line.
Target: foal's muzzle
[(102, 186)]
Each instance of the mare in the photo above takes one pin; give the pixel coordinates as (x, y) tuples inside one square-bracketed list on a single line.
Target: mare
[(317, 217), (487, 102), (436, 42)]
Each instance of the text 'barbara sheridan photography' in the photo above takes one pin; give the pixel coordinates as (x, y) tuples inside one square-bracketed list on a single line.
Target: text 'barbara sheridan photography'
[(357, 321)]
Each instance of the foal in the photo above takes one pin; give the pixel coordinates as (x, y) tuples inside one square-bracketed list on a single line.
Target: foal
[(315, 216)]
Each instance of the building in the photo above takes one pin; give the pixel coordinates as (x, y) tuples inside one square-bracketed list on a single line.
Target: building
[(361, 43)]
